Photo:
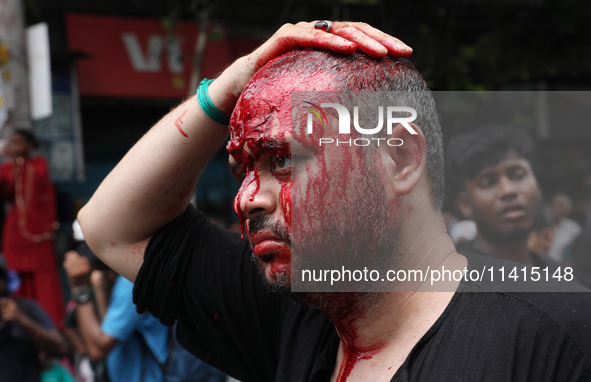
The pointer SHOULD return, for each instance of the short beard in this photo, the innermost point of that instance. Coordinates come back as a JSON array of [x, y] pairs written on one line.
[[281, 284], [355, 230], [282, 281]]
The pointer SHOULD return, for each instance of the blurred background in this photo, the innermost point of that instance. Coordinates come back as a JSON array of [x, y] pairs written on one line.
[[112, 68]]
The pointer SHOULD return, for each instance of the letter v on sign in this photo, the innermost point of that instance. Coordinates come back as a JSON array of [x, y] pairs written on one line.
[[151, 62]]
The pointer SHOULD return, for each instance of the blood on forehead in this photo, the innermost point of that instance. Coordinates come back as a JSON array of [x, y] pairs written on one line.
[[262, 116], [260, 123]]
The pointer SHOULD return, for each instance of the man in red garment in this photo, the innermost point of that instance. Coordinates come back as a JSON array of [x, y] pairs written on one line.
[[27, 241]]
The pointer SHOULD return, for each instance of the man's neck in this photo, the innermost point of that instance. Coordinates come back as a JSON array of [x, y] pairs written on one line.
[[515, 250], [385, 334], [384, 327]]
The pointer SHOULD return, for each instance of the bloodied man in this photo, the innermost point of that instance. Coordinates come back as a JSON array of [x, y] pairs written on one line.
[[298, 200]]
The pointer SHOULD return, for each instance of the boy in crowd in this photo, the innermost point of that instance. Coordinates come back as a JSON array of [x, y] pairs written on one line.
[[496, 170]]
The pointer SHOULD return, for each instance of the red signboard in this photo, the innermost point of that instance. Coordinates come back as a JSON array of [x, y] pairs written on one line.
[[128, 57]]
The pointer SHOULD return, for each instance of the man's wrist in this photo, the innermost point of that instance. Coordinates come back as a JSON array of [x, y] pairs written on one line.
[[227, 87], [81, 294], [82, 279], [208, 106]]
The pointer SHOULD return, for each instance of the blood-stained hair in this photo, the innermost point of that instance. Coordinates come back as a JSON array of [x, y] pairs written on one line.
[[359, 72]]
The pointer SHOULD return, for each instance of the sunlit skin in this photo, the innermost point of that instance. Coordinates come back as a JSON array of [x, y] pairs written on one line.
[[503, 200]]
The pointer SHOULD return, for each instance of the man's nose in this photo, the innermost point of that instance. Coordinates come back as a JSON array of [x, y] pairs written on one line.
[[508, 188], [255, 197]]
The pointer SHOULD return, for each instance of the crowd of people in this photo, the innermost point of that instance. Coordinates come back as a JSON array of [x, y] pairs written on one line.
[[97, 336], [162, 257]]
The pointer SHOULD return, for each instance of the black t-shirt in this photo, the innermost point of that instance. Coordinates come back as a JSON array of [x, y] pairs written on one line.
[[19, 360], [536, 259], [202, 275]]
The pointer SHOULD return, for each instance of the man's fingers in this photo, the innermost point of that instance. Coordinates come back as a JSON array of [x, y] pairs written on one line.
[[303, 35], [322, 40], [395, 47], [345, 38], [364, 43]]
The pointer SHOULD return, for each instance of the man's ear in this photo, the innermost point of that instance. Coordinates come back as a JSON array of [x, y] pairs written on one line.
[[407, 161], [464, 205]]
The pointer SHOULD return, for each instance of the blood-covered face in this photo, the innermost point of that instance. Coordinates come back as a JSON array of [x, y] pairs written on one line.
[[323, 204], [260, 157]]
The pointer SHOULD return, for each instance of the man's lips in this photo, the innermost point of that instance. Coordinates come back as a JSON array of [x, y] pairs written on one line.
[[513, 212], [269, 247]]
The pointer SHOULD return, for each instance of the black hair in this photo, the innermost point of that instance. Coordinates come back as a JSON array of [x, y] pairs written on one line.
[[467, 154], [359, 72]]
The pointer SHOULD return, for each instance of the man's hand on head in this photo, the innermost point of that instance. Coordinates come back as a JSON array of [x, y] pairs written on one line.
[[77, 268], [345, 37], [160, 172]]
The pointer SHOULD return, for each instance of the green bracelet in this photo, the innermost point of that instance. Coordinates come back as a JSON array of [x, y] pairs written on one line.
[[208, 106]]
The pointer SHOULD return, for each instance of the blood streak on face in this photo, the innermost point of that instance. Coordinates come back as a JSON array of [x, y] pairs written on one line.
[[336, 205], [260, 151]]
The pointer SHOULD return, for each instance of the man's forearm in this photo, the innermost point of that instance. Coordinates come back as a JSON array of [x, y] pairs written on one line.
[[48, 340], [102, 287], [98, 343], [150, 186], [73, 336]]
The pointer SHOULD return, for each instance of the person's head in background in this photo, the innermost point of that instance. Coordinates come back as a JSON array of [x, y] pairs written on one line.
[[542, 234], [496, 171], [21, 143]]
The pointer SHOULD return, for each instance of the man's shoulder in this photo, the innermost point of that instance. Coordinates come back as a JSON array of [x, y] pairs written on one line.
[[514, 336], [122, 292], [541, 310], [27, 302]]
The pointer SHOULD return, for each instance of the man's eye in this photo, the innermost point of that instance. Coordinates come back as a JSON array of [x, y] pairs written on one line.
[[281, 162], [518, 174], [486, 182]]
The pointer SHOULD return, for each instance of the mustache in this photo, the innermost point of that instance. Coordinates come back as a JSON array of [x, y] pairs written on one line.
[[261, 223]]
